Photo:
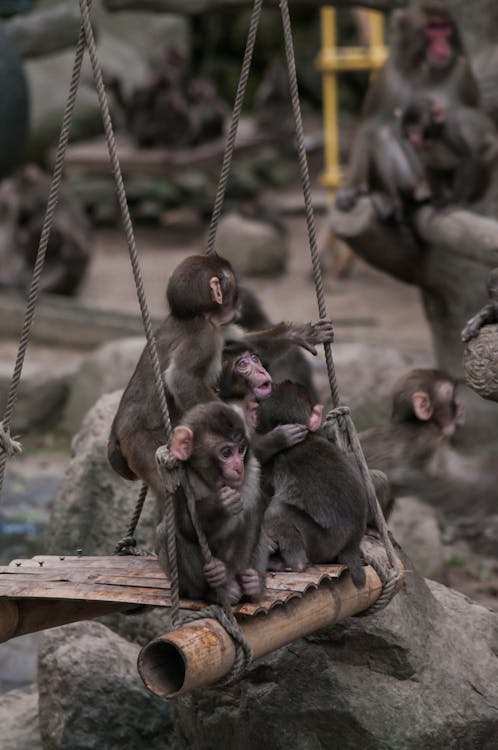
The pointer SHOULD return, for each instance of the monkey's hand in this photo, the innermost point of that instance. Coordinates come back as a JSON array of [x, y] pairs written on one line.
[[315, 333], [215, 573], [231, 501], [251, 582], [290, 434], [472, 328], [271, 544]]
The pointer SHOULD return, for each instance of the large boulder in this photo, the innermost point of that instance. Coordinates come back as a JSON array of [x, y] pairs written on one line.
[[106, 369], [19, 720], [415, 526], [91, 696], [253, 247], [422, 673]]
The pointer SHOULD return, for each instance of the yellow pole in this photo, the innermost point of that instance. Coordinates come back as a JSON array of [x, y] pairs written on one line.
[[332, 176]]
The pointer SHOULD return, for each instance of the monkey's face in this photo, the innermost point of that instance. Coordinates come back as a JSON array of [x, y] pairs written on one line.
[[249, 367], [230, 457], [439, 32]]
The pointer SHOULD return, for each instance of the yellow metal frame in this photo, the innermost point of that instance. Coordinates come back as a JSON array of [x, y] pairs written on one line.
[[333, 60]]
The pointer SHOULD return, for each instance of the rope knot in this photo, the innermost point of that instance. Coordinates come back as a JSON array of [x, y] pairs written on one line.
[[170, 467], [339, 411], [7, 444]]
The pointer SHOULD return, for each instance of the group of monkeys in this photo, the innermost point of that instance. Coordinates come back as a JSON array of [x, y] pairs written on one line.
[[271, 492], [423, 135]]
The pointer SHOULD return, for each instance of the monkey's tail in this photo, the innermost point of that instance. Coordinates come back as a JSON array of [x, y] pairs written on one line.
[[352, 559]]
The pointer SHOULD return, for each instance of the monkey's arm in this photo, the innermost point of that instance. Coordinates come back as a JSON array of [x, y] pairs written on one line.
[[281, 437], [474, 325], [273, 342]]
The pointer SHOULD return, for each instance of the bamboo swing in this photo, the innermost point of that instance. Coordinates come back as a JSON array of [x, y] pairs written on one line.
[[207, 644]]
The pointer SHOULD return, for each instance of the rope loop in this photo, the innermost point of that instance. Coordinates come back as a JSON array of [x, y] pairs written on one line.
[[389, 578], [243, 651], [126, 546], [8, 445]]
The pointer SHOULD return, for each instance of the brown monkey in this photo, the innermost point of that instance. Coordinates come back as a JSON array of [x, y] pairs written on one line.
[[244, 382], [457, 147], [202, 295], [289, 365], [425, 411], [317, 512], [224, 479], [426, 58], [23, 203], [488, 314]]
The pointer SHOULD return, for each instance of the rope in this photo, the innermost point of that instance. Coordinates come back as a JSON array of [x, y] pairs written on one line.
[[7, 446], [234, 124], [127, 545], [137, 274], [306, 185], [340, 412]]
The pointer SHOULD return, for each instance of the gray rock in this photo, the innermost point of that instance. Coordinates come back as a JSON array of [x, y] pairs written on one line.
[[93, 509], [254, 248], [19, 720], [45, 31], [415, 526], [422, 673], [105, 370], [91, 695], [42, 392]]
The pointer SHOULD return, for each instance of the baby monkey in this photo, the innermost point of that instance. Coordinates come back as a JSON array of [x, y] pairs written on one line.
[[224, 479], [318, 507]]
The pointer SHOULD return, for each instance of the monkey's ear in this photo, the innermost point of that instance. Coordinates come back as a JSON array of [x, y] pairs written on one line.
[[215, 287], [422, 405], [182, 442], [315, 419]]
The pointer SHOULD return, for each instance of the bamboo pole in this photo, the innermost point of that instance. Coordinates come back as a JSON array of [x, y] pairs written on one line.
[[22, 616], [202, 652]]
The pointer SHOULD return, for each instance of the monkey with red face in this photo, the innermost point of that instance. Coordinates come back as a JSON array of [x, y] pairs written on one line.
[[223, 476], [427, 58]]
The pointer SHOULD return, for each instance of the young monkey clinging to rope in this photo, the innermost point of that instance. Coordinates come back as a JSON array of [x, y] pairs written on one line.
[[224, 479]]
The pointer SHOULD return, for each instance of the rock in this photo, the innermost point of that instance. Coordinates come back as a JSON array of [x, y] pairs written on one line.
[[106, 369], [45, 31], [415, 526], [94, 504], [91, 695], [406, 678], [18, 662], [480, 363], [254, 248], [94, 507], [42, 392], [19, 720]]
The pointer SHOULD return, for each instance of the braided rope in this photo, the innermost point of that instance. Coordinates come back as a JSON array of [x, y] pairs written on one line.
[[389, 579], [234, 124], [342, 413], [137, 274], [127, 545], [6, 446]]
